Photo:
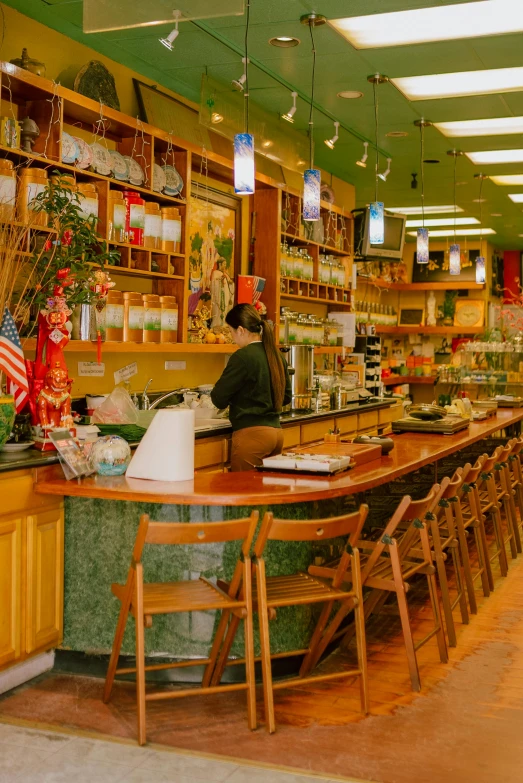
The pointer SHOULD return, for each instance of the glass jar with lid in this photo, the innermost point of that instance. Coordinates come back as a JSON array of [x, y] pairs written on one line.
[[334, 333], [298, 264], [7, 190], [169, 319], [292, 327], [114, 316], [133, 317], [308, 266], [152, 233], [283, 260], [152, 318], [325, 270], [290, 262], [88, 197], [171, 229], [307, 330], [32, 182], [116, 216], [302, 329], [317, 331]]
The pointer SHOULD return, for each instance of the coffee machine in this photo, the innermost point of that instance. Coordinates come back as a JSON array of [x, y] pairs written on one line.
[[300, 359]]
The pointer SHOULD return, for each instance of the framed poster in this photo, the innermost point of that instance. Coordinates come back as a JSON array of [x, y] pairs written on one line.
[[215, 251], [437, 270], [411, 316]]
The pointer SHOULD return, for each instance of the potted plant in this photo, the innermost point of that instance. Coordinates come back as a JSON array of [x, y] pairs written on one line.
[[449, 307]]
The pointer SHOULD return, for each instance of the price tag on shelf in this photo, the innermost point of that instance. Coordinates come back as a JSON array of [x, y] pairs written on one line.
[[126, 372], [91, 369]]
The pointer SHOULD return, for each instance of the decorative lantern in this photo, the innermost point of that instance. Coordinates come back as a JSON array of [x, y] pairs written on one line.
[[311, 194], [377, 223], [422, 247], [480, 269], [244, 164], [455, 260]]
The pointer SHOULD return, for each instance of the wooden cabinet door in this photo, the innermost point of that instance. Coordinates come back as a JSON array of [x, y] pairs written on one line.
[[45, 577], [10, 589]]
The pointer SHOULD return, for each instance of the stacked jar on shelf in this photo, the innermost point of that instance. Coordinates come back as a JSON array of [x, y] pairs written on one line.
[[375, 313], [296, 263], [142, 223], [302, 329]]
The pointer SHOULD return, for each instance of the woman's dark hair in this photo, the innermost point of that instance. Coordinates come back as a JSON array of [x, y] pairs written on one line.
[[247, 316]]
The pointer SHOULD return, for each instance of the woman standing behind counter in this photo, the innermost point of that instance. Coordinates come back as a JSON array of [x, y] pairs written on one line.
[[255, 385]]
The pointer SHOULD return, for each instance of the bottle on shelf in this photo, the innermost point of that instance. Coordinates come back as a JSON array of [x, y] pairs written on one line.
[[117, 212]]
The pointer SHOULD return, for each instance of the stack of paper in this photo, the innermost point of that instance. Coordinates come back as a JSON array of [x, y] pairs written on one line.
[[320, 463]]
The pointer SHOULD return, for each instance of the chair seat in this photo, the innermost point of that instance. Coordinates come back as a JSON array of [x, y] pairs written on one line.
[[299, 588], [168, 597]]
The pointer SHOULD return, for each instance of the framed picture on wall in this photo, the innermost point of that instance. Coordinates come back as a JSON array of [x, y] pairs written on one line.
[[214, 251], [437, 270]]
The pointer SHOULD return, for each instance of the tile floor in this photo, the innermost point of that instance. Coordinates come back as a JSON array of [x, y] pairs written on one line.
[[34, 756]]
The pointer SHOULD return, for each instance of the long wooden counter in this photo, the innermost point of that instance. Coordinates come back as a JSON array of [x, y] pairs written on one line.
[[412, 451]]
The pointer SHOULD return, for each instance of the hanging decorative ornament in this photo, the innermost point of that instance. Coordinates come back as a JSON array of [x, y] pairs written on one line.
[[244, 142], [312, 176], [455, 250], [244, 164], [377, 208], [480, 260], [422, 244]]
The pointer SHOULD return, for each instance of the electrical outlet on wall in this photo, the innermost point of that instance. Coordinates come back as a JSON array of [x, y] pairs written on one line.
[[175, 365]]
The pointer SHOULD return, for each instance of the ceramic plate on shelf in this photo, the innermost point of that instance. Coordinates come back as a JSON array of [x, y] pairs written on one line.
[[159, 180], [85, 153], [119, 166], [70, 151], [102, 161], [136, 175], [12, 447], [174, 183]]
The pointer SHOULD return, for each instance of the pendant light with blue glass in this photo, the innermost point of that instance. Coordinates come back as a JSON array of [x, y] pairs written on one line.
[[244, 142], [312, 176], [455, 249], [422, 240], [376, 208], [480, 260]]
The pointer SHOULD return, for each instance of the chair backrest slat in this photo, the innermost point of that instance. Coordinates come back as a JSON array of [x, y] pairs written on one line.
[[202, 532]]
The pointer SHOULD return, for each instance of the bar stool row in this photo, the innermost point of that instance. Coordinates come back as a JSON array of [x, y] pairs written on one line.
[[466, 522]]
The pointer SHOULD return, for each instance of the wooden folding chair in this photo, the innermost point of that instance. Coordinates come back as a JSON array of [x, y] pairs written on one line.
[[516, 476], [402, 551], [273, 592], [144, 600], [468, 516], [493, 497]]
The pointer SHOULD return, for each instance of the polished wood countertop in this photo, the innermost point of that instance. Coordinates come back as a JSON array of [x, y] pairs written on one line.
[[411, 451]]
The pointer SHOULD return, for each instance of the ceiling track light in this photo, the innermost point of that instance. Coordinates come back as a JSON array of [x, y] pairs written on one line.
[[376, 208], [362, 162], [239, 84], [289, 116], [331, 142], [384, 174], [455, 250], [422, 239], [173, 35]]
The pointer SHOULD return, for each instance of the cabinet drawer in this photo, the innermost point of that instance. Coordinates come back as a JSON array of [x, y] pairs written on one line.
[[291, 437], [387, 415], [316, 430], [211, 452], [16, 491], [367, 419], [347, 424]]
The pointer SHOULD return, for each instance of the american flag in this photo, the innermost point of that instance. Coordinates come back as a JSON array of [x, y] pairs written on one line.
[[12, 360]]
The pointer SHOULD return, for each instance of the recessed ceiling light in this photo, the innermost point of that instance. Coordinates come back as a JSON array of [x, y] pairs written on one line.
[[448, 221], [520, 235], [496, 156], [450, 22], [479, 200], [463, 83], [507, 179], [350, 94], [267, 143], [417, 210], [500, 126], [396, 134], [284, 41], [517, 198], [508, 225], [461, 183], [461, 232], [216, 118], [496, 214]]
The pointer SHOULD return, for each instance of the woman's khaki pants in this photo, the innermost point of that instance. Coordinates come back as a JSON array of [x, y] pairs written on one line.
[[252, 444]]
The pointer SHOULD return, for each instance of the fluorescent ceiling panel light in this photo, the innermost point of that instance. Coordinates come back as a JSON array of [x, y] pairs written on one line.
[[486, 157], [462, 232], [507, 179], [517, 198], [440, 210], [448, 221], [445, 23], [461, 84], [500, 126]]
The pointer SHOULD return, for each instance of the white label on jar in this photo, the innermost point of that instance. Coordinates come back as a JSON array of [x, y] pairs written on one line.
[[171, 230], [119, 217], [152, 319], [169, 320], [153, 225], [89, 206], [33, 190], [135, 317], [114, 316], [7, 190], [136, 215]]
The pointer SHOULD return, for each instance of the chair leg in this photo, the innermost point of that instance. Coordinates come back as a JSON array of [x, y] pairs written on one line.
[[476, 510], [510, 526], [498, 529], [225, 650], [265, 643], [361, 644], [140, 656], [505, 477], [215, 649], [404, 616], [444, 585], [482, 559], [433, 590], [250, 677], [316, 641], [118, 636], [465, 559]]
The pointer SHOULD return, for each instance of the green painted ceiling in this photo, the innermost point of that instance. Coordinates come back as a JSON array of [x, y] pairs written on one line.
[[216, 45]]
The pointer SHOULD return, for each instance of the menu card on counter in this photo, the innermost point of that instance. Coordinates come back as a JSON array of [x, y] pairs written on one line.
[[72, 459]]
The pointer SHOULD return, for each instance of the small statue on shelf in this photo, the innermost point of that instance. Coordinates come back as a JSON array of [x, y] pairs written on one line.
[[54, 400], [431, 309]]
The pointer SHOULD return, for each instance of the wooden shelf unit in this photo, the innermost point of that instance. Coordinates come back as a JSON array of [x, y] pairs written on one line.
[[381, 329], [453, 286], [397, 380]]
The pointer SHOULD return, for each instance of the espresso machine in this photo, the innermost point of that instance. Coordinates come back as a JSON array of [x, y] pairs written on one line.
[[300, 359]]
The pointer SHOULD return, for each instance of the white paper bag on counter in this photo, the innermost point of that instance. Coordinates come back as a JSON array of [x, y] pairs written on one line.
[[166, 451], [348, 323]]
